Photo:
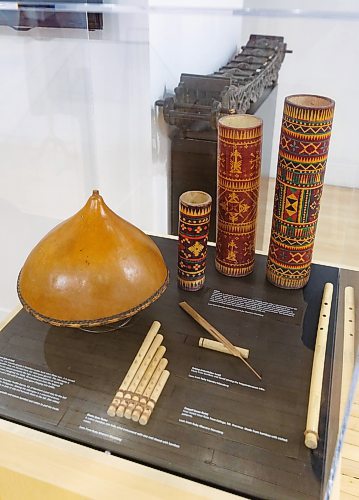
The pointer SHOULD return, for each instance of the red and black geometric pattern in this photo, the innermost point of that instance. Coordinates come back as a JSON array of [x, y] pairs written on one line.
[[193, 231], [238, 172], [303, 151]]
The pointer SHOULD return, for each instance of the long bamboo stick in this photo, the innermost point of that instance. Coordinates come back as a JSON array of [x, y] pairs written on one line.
[[216, 334]]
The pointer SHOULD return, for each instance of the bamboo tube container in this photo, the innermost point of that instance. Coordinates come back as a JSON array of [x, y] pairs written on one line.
[[154, 397], [156, 325], [311, 430], [219, 347]]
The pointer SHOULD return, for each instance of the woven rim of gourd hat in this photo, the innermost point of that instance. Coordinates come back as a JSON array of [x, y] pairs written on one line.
[[93, 322]]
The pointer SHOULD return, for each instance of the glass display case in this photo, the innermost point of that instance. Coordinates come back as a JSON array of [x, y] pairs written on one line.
[[88, 98]]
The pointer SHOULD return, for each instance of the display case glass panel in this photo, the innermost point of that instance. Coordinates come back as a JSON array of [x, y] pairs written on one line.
[[86, 96]]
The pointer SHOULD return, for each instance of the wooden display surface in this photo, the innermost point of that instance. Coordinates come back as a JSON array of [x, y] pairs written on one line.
[[215, 421]]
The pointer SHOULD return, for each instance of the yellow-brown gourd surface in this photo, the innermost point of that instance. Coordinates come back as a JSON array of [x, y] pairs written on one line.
[[92, 269]]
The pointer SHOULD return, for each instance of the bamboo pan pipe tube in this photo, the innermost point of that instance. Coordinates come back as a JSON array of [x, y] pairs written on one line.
[[139, 374], [152, 332], [137, 412], [154, 397], [311, 430], [216, 334], [218, 346], [144, 380]]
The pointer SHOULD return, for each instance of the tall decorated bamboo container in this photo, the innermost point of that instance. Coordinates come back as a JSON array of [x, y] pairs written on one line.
[[303, 151], [238, 172]]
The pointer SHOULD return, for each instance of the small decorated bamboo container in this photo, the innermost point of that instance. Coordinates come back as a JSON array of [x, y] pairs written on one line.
[[193, 228]]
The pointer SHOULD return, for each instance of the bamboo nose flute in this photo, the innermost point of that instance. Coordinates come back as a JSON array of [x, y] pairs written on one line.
[[311, 431]]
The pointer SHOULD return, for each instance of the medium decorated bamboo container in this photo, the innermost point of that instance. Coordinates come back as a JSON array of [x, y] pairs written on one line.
[[238, 172], [303, 151], [193, 228]]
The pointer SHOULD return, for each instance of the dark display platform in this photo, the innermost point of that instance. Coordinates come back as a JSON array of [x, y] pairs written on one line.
[[215, 422]]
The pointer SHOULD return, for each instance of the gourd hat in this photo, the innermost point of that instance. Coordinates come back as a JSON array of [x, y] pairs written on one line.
[[93, 269]]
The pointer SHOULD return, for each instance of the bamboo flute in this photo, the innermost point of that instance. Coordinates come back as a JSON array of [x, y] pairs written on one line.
[[137, 412], [216, 334], [311, 430], [139, 374], [347, 370], [154, 397], [144, 380], [219, 347], [348, 346], [156, 325]]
